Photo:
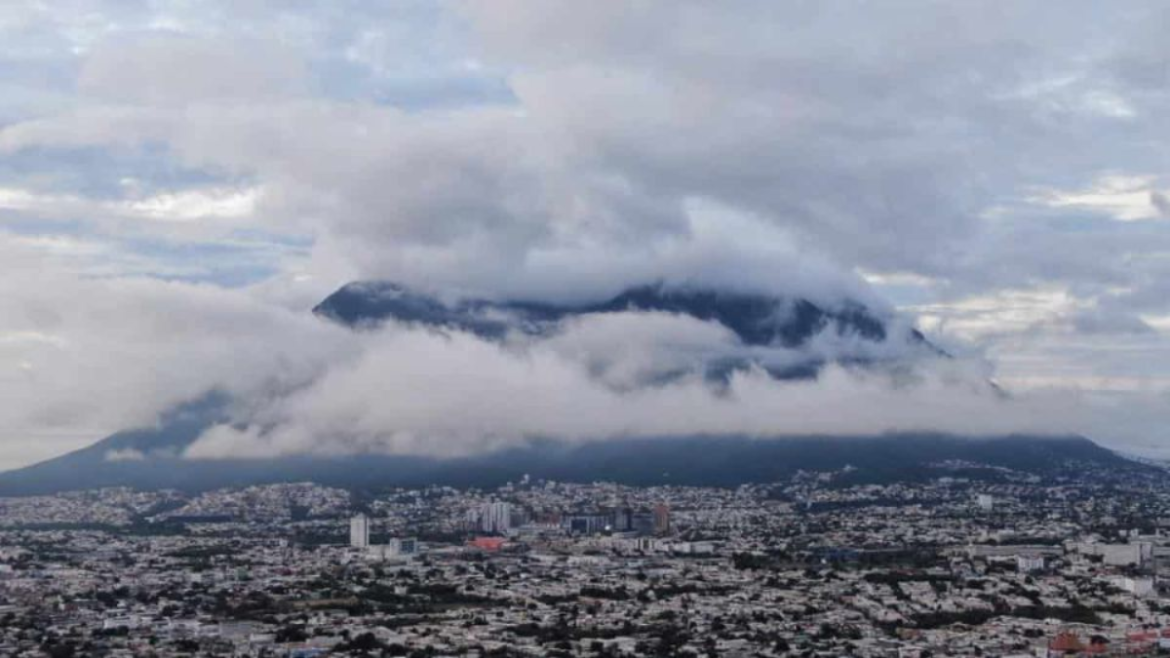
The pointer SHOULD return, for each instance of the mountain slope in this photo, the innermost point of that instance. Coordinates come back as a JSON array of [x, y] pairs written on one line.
[[696, 461]]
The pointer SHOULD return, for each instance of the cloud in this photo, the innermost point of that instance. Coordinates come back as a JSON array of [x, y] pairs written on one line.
[[125, 455], [873, 160], [887, 163], [1161, 202], [144, 70], [82, 357], [1124, 198], [414, 391], [971, 161]]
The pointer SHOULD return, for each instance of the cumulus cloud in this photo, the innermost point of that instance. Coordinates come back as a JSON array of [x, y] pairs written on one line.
[[556, 151], [886, 162]]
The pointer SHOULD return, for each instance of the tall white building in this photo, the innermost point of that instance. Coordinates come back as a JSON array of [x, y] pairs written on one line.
[[359, 531], [496, 518]]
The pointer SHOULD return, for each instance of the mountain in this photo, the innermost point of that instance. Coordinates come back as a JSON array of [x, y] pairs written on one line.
[[759, 322], [756, 319], [151, 458]]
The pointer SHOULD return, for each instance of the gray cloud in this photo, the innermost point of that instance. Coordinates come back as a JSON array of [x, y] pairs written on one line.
[[419, 392], [84, 357], [881, 161], [817, 149], [175, 70], [1160, 201]]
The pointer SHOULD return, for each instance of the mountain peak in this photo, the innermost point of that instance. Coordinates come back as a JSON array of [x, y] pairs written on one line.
[[769, 329]]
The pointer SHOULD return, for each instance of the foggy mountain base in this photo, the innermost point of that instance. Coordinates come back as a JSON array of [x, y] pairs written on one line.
[[152, 459], [659, 381], [470, 376]]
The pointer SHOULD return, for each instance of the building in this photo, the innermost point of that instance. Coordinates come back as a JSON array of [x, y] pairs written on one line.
[[1140, 587], [1066, 643], [490, 544], [496, 518], [986, 502], [406, 546], [359, 531], [587, 524], [1137, 554], [642, 523], [395, 549], [1029, 564], [623, 519], [661, 519]]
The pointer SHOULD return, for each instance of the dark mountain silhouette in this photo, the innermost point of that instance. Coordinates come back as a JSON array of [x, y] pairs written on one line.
[[757, 320]]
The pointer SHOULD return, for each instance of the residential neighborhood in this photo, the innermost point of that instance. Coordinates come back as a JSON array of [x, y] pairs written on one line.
[[995, 564]]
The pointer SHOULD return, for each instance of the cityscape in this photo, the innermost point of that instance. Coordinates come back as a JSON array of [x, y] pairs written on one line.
[[584, 328], [982, 562]]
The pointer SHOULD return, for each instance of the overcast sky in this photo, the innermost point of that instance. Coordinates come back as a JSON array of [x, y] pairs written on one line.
[[180, 181]]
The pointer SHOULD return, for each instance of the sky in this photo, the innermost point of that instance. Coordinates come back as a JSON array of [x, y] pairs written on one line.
[[180, 182]]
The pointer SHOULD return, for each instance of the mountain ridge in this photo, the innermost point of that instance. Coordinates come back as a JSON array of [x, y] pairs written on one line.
[[774, 333], [750, 316], [153, 457]]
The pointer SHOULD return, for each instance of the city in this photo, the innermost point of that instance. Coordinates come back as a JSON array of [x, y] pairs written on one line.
[[584, 328], [1003, 564]]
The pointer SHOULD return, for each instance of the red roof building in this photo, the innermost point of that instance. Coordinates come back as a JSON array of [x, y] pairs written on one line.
[[1066, 644], [492, 544]]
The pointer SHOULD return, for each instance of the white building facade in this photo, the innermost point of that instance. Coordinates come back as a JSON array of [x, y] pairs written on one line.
[[359, 531]]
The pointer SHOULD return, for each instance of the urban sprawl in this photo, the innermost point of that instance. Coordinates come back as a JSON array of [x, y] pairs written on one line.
[[983, 562]]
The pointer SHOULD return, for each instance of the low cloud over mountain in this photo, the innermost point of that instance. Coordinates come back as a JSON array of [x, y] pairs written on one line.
[[435, 377]]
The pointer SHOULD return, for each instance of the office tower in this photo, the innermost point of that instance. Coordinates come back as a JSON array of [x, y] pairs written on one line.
[[496, 517], [661, 519], [642, 523], [623, 519], [359, 531]]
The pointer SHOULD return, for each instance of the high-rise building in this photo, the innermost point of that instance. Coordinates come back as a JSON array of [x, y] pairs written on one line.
[[642, 522], [661, 519], [623, 519], [408, 546], [359, 531], [496, 517]]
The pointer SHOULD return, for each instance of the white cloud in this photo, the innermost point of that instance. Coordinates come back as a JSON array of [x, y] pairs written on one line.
[[420, 392], [85, 356], [1124, 198], [125, 455], [964, 155], [190, 205], [209, 203]]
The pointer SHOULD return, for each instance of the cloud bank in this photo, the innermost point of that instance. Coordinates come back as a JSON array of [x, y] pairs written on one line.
[[98, 355], [994, 173], [414, 391]]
